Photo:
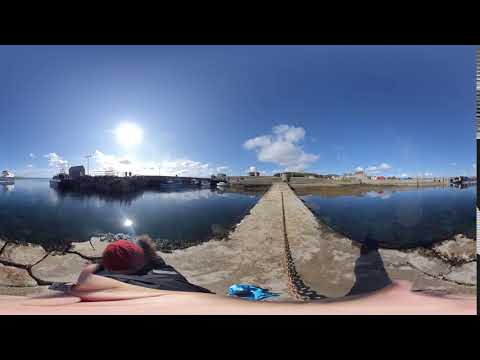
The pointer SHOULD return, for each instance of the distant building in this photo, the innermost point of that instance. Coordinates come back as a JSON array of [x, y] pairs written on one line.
[[253, 173], [355, 176], [76, 171], [359, 174], [380, 177], [110, 172], [219, 177]]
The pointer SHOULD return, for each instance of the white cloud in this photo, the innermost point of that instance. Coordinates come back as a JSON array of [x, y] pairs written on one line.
[[453, 164], [260, 141], [474, 165], [55, 160], [32, 155], [254, 169], [185, 168], [34, 171], [106, 162], [222, 169], [428, 174], [359, 168], [291, 133], [404, 175], [282, 148], [180, 167], [378, 168]]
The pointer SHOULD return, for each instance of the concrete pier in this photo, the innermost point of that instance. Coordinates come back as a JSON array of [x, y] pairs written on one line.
[[277, 247], [131, 184], [253, 253], [282, 246], [306, 182]]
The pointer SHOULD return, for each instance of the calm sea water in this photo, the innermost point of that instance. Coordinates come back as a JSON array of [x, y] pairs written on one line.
[[399, 219], [31, 211]]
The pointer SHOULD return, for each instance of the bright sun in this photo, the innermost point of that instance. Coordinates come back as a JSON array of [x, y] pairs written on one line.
[[128, 134]]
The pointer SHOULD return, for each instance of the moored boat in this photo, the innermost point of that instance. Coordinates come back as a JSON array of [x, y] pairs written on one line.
[[56, 181], [222, 184], [7, 176], [461, 180], [171, 184]]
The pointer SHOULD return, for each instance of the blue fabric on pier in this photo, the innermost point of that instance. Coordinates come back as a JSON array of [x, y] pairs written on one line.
[[249, 292]]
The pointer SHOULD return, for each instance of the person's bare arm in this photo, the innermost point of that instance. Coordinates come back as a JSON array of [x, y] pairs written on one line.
[[87, 270], [396, 299], [91, 287]]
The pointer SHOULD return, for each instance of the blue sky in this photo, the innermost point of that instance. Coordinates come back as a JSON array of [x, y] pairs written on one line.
[[330, 109]]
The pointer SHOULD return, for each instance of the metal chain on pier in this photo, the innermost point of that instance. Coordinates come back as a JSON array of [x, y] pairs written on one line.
[[296, 287]]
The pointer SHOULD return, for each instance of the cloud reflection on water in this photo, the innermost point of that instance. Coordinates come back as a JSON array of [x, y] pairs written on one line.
[[379, 194]]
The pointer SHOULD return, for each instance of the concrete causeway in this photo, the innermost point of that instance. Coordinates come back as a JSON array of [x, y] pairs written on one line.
[[282, 246], [253, 253], [257, 252]]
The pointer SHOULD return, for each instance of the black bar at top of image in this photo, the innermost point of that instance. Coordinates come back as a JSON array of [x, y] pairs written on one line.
[[274, 25], [240, 36]]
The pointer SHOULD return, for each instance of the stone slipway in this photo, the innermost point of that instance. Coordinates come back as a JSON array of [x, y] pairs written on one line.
[[253, 253], [256, 253]]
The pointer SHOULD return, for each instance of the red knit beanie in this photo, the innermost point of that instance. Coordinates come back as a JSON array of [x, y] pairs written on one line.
[[123, 255]]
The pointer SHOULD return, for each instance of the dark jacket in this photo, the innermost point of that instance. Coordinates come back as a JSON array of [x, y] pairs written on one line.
[[163, 277]]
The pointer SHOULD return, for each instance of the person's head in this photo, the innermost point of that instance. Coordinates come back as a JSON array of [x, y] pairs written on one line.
[[128, 258], [123, 256], [152, 258]]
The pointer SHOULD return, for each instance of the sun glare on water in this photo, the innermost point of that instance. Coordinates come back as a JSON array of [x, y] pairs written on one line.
[[128, 134]]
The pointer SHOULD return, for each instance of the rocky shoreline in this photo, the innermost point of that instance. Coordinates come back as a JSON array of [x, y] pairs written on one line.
[[450, 265]]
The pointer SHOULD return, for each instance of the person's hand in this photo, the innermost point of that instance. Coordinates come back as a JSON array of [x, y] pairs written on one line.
[[63, 287]]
